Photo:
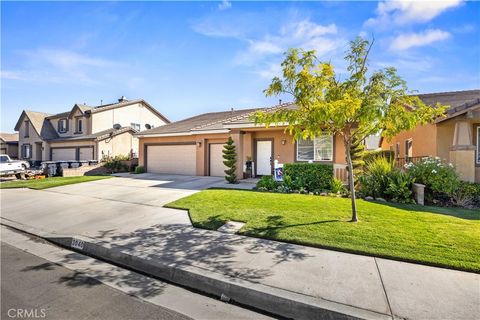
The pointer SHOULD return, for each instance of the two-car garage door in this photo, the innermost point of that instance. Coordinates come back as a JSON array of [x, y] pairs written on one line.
[[174, 159], [62, 153]]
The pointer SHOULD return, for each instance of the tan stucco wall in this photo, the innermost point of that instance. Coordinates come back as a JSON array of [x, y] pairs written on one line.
[[424, 141], [32, 139], [10, 149], [284, 153], [121, 144], [136, 113]]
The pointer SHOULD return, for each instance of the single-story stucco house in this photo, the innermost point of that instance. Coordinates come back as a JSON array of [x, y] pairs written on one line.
[[454, 137], [9, 144], [85, 132], [194, 146]]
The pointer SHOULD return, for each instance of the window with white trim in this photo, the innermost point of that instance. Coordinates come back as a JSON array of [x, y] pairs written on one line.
[[62, 125], [318, 149], [135, 126], [478, 145], [26, 151]]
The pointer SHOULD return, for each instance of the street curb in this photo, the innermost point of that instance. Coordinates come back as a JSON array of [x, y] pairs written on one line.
[[269, 299]]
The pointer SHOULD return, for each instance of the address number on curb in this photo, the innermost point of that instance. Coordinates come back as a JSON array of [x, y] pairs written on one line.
[[77, 244]]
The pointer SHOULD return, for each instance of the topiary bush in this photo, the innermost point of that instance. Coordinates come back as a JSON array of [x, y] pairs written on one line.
[[230, 160], [309, 176]]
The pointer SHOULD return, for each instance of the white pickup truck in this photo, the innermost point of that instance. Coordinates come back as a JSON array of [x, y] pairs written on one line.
[[12, 167]]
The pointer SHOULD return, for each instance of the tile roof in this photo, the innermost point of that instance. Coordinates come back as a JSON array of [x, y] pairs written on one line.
[[40, 123], [200, 121], [98, 136], [209, 121], [9, 137], [458, 102]]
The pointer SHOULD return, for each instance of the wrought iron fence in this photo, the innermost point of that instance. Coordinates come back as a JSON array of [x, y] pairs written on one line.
[[400, 162]]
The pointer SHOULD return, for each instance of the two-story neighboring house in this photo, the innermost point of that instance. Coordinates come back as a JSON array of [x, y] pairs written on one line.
[[85, 132]]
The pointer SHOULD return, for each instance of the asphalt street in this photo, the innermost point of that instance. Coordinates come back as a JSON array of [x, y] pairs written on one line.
[[32, 287]]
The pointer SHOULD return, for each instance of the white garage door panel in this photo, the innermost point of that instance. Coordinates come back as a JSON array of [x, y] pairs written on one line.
[[175, 159], [64, 154], [217, 168], [86, 154]]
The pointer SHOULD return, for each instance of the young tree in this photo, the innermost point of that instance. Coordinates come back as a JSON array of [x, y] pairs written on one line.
[[355, 107], [230, 156]]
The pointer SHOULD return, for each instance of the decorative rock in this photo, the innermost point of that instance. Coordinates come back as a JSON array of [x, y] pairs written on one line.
[[381, 200], [231, 227], [323, 194], [369, 198]]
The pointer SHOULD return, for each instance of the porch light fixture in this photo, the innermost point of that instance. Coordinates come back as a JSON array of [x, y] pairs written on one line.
[[283, 142], [199, 144]]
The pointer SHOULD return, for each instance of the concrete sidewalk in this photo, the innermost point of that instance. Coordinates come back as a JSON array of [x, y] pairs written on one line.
[[164, 244]]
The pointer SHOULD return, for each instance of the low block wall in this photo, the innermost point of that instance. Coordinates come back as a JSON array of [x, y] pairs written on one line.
[[98, 169]]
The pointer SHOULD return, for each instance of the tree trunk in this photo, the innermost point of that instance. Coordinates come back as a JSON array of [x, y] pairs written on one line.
[[351, 182]]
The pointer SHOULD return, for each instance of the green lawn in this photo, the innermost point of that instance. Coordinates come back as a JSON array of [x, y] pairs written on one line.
[[429, 235], [49, 182]]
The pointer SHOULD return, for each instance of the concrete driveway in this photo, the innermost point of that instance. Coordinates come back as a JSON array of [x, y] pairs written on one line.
[[103, 207]]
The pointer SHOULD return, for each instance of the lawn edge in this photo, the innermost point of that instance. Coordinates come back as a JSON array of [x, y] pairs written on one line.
[[337, 249]]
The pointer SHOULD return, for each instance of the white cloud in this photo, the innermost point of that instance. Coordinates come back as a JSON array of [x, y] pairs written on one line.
[[300, 34], [409, 11], [59, 66], [410, 40], [224, 5]]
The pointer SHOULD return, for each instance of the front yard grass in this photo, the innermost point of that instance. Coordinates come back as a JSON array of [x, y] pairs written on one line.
[[435, 236], [49, 182]]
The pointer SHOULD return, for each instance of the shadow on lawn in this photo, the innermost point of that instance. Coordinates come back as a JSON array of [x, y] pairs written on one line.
[[276, 223]]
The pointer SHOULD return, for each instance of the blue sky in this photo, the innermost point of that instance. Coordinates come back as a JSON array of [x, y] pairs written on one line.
[[187, 58]]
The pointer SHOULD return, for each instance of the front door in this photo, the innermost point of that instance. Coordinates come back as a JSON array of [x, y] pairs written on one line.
[[263, 161]]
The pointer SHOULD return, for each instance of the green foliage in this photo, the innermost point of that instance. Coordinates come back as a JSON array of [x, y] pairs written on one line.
[[374, 180], [267, 183], [399, 187], [467, 195], [369, 156], [309, 176], [337, 186], [115, 164], [139, 169], [357, 151], [440, 178], [230, 159], [353, 106]]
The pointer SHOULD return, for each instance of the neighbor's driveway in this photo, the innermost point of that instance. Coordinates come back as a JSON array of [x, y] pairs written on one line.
[[103, 207]]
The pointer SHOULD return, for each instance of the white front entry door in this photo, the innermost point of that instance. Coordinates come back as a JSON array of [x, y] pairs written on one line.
[[264, 158]]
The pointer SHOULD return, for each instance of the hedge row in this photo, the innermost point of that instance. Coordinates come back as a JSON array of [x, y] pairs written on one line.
[[315, 176]]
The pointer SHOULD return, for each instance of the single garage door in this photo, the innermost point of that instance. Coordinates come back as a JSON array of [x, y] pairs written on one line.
[[216, 165], [59, 154], [175, 159], [85, 153]]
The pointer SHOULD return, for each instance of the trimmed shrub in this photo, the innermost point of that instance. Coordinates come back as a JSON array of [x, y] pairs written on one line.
[[139, 169], [309, 176], [369, 156], [267, 183], [230, 159]]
